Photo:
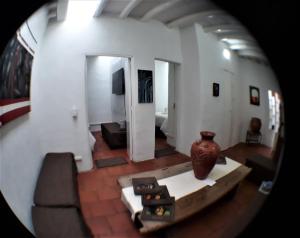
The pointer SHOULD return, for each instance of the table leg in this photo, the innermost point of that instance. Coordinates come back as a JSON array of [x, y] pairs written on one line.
[[230, 195]]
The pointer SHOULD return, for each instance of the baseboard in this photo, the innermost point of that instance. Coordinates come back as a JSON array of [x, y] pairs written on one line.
[[96, 126]]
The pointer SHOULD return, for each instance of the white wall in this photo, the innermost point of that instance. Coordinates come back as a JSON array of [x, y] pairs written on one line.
[[58, 84], [187, 92], [118, 101], [20, 148], [217, 112], [229, 114], [36, 24], [63, 61], [197, 110], [172, 81], [126, 64], [102, 105], [261, 76], [161, 86], [99, 84]]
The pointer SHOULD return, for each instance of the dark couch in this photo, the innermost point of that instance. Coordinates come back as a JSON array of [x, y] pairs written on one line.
[[57, 210]]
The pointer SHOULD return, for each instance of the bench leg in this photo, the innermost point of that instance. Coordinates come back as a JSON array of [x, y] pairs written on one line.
[[231, 193]]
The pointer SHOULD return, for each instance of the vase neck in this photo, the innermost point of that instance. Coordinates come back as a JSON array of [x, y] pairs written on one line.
[[207, 135]]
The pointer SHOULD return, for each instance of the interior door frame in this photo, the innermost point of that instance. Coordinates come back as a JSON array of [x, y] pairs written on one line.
[[130, 59], [175, 78]]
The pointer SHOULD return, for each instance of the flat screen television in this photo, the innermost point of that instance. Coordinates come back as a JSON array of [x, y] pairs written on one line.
[[118, 82]]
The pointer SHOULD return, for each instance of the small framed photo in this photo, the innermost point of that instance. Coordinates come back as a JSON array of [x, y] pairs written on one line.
[[254, 95], [216, 89]]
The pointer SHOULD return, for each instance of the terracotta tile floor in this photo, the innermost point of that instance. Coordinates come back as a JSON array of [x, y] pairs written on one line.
[[107, 217], [161, 143]]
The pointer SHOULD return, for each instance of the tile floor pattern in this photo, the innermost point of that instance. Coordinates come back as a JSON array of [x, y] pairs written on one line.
[[161, 143], [107, 217]]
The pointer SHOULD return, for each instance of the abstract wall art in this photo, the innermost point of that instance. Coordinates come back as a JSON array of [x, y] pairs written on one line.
[[15, 74], [145, 86], [216, 88]]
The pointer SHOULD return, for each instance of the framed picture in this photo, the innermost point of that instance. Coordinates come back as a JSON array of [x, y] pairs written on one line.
[[254, 95], [145, 86], [216, 88], [15, 75]]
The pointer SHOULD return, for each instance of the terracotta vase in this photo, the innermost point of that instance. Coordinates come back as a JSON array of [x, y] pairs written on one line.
[[204, 154], [255, 124]]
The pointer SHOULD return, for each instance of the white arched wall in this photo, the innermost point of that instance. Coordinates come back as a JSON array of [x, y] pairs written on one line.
[[21, 152], [61, 70], [202, 65], [58, 85], [261, 76]]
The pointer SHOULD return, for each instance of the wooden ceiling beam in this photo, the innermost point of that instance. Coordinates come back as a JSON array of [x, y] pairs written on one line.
[[195, 17], [159, 9], [130, 6], [61, 10], [100, 8]]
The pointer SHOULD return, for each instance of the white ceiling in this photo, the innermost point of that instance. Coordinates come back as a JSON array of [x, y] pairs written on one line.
[[178, 14]]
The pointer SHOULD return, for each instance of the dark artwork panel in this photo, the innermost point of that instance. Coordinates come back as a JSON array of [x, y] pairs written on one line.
[[254, 96], [15, 71], [216, 88], [145, 86], [15, 74]]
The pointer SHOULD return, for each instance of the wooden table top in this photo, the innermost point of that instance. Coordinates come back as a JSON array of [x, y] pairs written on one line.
[[192, 203]]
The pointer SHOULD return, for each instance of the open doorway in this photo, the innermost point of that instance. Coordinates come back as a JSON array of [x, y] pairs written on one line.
[[108, 99], [165, 116]]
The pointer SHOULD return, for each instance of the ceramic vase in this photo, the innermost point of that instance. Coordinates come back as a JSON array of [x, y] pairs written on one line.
[[255, 124], [204, 154]]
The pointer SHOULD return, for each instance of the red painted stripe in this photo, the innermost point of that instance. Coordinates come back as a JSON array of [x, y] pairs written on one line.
[[4, 102], [6, 117]]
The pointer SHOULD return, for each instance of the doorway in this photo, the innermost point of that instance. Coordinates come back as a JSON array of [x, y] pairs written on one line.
[[165, 115], [108, 103]]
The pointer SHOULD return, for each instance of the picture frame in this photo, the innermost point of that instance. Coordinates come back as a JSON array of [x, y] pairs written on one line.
[[216, 89], [15, 76], [254, 95], [145, 86]]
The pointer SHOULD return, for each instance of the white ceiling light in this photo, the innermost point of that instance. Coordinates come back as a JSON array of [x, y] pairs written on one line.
[[226, 54], [219, 30], [233, 41], [79, 10]]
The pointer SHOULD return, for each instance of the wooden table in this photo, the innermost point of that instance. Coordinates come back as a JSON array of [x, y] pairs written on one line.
[[190, 204]]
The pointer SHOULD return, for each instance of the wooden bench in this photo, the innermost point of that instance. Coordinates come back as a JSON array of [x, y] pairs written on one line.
[[263, 168], [190, 204], [57, 211]]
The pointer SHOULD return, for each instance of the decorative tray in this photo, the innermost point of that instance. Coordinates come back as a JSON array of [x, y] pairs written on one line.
[[146, 185], [160, 197], [221, 160], [159, 212]]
